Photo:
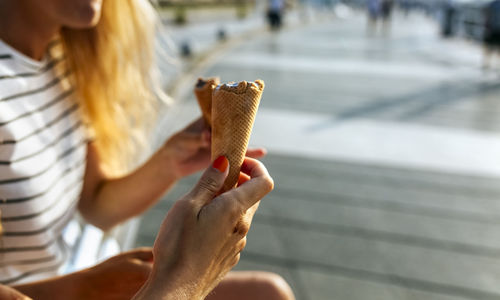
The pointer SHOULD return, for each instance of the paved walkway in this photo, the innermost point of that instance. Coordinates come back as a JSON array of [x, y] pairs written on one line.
[[386, 156]]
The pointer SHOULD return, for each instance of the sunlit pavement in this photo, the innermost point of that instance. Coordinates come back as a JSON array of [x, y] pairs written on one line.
[[385, 152]]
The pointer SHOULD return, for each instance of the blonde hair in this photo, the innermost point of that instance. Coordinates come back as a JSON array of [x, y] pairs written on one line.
[[112, 65]]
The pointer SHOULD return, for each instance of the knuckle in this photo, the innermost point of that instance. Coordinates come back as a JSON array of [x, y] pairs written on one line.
[[242, 229], [210, 184], [242, 244], [268, 183]]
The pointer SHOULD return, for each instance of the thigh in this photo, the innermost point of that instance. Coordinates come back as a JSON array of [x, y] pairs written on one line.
[[252, 285]]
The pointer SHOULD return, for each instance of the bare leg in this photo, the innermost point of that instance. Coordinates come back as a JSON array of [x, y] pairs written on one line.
[[252, 285]]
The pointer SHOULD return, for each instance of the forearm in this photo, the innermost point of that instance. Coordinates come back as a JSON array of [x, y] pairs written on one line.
[[61, 287], [116, 200]]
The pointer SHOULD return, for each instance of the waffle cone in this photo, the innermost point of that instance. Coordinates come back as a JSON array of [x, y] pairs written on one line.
[[234, 109], [203, 91]]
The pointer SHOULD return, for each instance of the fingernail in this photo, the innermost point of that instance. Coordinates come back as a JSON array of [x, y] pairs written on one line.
[[221, 164]]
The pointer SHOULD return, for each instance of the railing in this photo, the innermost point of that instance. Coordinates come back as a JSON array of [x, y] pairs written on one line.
[[471, 21], [202, 3], [181, 7]]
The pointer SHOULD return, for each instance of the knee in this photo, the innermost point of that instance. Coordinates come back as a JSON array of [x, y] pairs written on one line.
[[273, 286]]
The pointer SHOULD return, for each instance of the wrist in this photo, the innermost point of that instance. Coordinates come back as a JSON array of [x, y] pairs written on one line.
[[157, 287]]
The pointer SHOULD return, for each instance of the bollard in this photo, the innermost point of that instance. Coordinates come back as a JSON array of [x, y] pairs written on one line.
[[186, 49], [221, 35]]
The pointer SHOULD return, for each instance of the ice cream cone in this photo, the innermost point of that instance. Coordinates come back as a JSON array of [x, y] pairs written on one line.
[[234, 109], [203, 91]]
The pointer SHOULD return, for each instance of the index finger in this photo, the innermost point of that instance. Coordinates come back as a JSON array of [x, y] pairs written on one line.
[[253, 168], [259, 185]]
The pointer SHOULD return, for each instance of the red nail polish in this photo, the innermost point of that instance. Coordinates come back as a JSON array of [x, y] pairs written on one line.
[[221, 164]]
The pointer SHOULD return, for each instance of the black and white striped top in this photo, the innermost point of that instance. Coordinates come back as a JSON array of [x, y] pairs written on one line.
[[42, 163]]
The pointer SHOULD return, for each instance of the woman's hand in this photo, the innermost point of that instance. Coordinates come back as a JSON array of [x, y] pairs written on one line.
[[202, 236], [8, 293], [188, 151], [119, 277]]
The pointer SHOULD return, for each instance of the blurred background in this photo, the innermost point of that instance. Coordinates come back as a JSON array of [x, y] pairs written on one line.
[[382, 121]]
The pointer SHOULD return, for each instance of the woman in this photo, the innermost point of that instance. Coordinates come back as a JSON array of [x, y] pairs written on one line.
[[70, 120]]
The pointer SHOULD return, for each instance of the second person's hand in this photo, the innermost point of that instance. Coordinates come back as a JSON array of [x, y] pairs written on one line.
[[188, 151]]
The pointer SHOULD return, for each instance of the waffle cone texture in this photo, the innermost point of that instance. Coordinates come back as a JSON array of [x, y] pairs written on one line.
[[234, 108], [203, 91]]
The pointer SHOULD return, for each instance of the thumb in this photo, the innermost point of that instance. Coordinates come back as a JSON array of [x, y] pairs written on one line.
[[211, 181]]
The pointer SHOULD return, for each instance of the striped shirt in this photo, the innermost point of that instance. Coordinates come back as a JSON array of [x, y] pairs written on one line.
[[42, 163]]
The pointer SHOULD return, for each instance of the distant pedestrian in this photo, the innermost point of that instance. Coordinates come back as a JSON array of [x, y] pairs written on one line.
[[374, 7], [448, 25], [386, 8], [275, 12], [386, 13], [491, 33]]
